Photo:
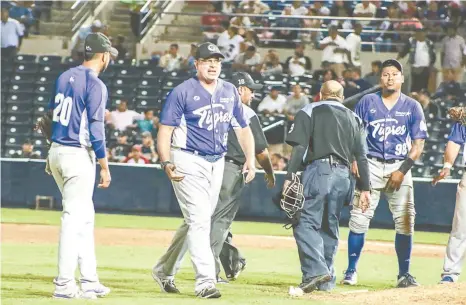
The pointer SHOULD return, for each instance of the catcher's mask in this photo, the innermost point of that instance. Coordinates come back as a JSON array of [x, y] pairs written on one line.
[[292, 199]]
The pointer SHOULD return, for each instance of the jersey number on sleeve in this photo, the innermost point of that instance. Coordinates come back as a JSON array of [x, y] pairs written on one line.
[[62, 111], [401, 149]]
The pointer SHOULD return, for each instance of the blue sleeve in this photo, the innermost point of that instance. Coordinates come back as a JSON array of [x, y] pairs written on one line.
[[238, 111], [95, 107], [360, 110], [418, 127], [458, 134], [173, 109]]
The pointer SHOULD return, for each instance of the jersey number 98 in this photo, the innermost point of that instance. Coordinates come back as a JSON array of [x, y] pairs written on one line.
[[62, 111], [401, 149]]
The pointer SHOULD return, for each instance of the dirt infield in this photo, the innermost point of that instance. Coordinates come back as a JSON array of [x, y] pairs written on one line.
[[450, 294]]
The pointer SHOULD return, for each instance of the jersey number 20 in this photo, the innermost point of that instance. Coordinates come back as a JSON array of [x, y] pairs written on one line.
[[62, 111]]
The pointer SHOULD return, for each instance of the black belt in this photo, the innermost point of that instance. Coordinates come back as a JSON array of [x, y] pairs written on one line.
[[391, 161], [333, 160], [231, 160]]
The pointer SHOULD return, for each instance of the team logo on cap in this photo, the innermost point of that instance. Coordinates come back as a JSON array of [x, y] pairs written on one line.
[[212, 48], [88, 48]]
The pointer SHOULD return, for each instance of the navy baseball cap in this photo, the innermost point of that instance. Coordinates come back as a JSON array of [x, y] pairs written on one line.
[[99, 43], [244, 79], [208, 50], [393, 63]]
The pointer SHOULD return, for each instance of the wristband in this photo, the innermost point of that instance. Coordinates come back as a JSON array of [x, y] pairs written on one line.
[[165, 163], [406, 166], [447, 165]]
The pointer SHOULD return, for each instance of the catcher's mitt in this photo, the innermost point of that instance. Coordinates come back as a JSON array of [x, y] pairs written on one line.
[[44, 125], [291, 200], [458, 114]]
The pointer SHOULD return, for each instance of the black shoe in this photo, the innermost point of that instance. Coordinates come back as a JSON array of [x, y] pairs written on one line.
[[315, 282], [406, 280], [209, 293], [166, 285], [239, 268]]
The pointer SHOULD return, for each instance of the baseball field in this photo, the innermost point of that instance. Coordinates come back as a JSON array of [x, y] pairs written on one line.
[[128, 246]]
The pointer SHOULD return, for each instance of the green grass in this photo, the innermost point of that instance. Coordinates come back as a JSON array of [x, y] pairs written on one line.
[[171, 223], [28, 269]]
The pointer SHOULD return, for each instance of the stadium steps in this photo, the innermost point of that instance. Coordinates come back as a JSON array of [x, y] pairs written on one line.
[[60, 23], [120, 24], [191, 34]]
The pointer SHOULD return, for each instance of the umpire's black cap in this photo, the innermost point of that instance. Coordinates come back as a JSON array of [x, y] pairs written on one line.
[[393, 63], [207, 50], [244, 79], [99, 43]]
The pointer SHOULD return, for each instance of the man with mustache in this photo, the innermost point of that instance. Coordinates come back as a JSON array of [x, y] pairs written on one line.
[[192, 143], [391, 119]]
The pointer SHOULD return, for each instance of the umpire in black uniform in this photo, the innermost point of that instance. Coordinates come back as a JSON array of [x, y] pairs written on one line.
[[233, 182], [327, 137]]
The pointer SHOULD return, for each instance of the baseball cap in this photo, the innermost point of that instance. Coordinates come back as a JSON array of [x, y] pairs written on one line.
[[244, 79], [207, 49], [99, 43], [97, 23], [393, 63], [146, 134]]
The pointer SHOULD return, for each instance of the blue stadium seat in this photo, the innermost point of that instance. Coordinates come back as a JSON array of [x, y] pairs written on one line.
[[41, 99], [18, 119], [151, 73], [123, 62], [19, 109], [27, 68], [50, 59], [122, 91], [25, 59], [20, 98], [41, 89], [433, 158], [50, 69], [46, 80], [39, 109], [132, 82], [127, 72], [150, 92], [14, 130], [19, 79]]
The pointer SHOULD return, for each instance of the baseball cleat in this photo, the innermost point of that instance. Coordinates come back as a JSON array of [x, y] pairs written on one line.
[[315, 282], [351, 277], [446, 280], [240, 267], [222, 281], [76, 294], [166, 285], [406, 280], [99, 291], [209, 292]]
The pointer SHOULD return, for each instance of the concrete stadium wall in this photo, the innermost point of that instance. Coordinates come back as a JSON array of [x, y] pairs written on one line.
[[146, 189]]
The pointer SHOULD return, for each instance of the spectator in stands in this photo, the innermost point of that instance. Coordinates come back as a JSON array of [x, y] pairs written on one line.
[[21, 12], [135, 157], [229, 43], [27, 151], [365, 9], [122, 118], [172, 60], [334, 51], [278, 162], [188, 63], [355, 84], [247, 61], [298, 9], [228, 7], [243, 23], [373, 77], [430, 109], [109, 155], [353, 41], [122, 51], [273, 103], [254, 7], [323, 76], [298, 64], [295, 102], [211, 20], [312, 36], [384, 40], [449, 88], [341, 9], [12, 34], [148, 147], [121, 149], [43, 7], [321, 9], [250, 39], [421, 59], [288, 22], [78, 49], [409, 9], [453, 53], [271, 64], [149, 122]]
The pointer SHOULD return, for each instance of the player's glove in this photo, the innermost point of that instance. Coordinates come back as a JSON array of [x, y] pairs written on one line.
[[44, 125], [458, 114], [291, 200]]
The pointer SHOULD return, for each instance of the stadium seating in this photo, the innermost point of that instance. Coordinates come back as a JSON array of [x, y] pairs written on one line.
[[27, 85]]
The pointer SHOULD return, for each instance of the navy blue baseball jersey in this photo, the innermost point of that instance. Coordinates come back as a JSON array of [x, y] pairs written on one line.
[[458, 134], [390, 132], [202, 120], [78, 106]]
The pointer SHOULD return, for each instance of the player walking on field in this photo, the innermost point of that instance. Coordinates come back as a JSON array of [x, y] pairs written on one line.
[[456, 248], [192, 142], [78, 137], [396, 132]]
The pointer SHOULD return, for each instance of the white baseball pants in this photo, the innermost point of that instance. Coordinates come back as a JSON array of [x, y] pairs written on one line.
[[197, 196], [456, 248], [73, 169]]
